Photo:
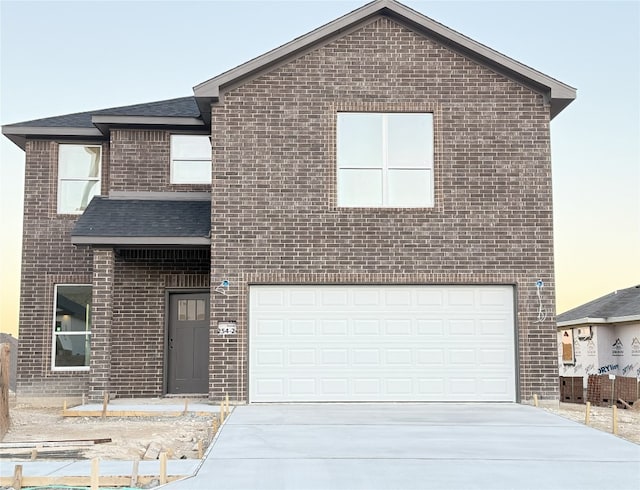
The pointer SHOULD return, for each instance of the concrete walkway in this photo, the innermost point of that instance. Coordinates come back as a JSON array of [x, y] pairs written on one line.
[[411, 446]]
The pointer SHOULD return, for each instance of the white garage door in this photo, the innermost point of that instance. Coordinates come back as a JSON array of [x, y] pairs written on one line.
[[381, 343]]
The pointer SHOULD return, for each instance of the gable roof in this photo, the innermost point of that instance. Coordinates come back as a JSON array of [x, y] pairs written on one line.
[[618, 306], [559, 94], [182, 111], [194, 113], [151, 220]]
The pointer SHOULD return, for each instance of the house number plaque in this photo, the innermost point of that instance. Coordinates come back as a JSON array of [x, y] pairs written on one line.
[[227, 328]]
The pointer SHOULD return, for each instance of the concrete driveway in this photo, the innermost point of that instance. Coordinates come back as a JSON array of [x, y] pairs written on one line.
[[412, 446]]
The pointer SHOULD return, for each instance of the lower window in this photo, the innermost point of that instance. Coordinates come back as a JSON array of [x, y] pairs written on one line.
[[71, 327]]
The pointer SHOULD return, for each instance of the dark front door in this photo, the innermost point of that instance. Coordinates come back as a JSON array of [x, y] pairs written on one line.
[[188, 366]]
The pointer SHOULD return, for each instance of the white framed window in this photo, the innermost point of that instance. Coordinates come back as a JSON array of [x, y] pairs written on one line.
[[79, 168], [71, 327], [384, 159], [190, 159]]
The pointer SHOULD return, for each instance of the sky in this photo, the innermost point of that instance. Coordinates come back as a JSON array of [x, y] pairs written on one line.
[[65, 57]]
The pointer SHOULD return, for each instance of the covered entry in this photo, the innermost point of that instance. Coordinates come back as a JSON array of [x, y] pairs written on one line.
[[381, 343]]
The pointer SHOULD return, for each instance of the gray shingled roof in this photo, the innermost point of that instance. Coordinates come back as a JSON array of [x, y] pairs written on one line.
[[182, 107], [144, 221], [621, 303]]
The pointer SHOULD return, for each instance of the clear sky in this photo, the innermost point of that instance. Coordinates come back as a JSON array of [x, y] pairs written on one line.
[[64, 57]]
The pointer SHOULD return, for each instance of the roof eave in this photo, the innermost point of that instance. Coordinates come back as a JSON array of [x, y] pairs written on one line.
[[19, 134], [599, 321], [559, 94], [102, 123], [106, 120], [153, 241]]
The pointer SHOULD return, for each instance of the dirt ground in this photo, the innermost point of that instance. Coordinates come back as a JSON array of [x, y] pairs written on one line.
[[179, 435], [130, 436], [601, 419]]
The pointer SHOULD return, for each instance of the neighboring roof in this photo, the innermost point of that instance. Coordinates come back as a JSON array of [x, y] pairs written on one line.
[[168, 221], [620, 306], [559, 94], [175, 112]]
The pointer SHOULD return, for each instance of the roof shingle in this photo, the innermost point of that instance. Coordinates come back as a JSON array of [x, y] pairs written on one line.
[[135, 218], [621, 303], [181, 107]]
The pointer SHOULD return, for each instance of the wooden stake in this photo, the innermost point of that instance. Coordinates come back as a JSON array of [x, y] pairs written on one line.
[[95, 473], [34, 454], [186, 405], [17, 477], [163, 468], [134, 473], [199, 448], [587, 414], [626, 405], [614, 408], [105, 402], [535, 400], [221, 413], [64, 406], [226, 399]]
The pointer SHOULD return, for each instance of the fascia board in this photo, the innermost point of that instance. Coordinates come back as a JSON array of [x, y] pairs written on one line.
[[49, 131], [19, 134], [596, 321], [160, 196], [211, 87], [476, 49], [147, 120], [147, 240], [558, 90]]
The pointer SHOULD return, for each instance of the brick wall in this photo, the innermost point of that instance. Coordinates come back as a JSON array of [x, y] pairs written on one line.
[[48, 258], [140, 162], [274, 218], [139, 312]]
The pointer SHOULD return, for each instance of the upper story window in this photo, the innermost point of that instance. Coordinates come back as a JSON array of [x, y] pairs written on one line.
[[71, 327], [190, 159], [384, 160], [78, 176]]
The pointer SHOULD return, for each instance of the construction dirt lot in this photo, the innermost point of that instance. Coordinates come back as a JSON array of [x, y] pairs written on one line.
[[179, 436]]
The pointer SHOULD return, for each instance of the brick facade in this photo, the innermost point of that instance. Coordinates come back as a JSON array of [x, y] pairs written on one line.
[[128, 337], [48, 258], [140, 162], [274, 216]]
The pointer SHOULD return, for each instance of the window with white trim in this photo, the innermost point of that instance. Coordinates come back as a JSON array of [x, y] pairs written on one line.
[[79, 169], [71, 327], [190, 159], [384, 159]]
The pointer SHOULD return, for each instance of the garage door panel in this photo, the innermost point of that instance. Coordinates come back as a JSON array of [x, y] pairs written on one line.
[[393, 343], [461, 327], [430, 328], [302, 387], [367, 327], [270, 327], [335, 357], [366, 297], [430, 297], [302, 327]]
